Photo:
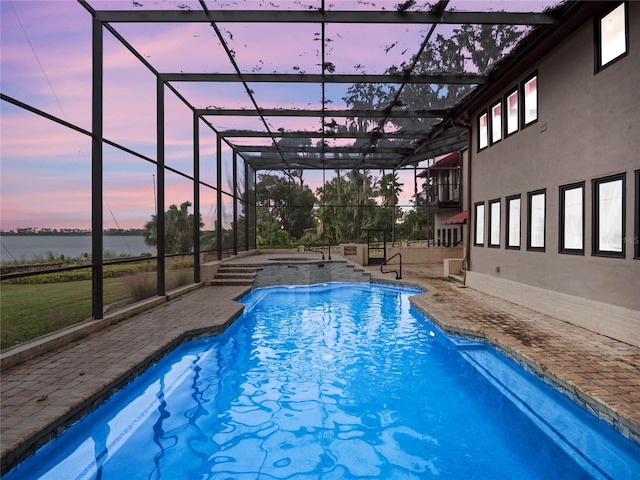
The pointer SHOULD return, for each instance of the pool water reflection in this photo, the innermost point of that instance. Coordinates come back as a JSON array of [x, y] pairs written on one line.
[[335, 381]]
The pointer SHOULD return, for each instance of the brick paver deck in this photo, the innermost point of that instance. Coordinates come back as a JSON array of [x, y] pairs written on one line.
[[42, 396]]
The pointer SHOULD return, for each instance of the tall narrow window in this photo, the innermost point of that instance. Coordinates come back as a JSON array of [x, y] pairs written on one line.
[[513, 222], [494, 223], [611, 36], [479, 224], [483, 131], [536, 220], [496, 122], [636, 237], [572, 219], [511, 103], [530, 100], [608, 216]]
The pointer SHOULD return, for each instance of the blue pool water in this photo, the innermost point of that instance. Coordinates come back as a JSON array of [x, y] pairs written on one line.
[[335, 381]]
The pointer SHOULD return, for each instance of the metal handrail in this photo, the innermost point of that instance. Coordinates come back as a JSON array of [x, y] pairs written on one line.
[[308, 247], [398, 273]]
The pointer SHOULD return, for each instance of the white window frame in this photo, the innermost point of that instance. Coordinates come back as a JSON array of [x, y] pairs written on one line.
[[479, 224], [612, 36], [571, 227], [513, 229], [536, 220], [494, 223], [512, 121], [529, 96], [483, 131], [609, 194], [496, 122]]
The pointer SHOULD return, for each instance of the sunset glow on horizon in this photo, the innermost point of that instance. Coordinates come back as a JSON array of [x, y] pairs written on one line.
[[46, 62]]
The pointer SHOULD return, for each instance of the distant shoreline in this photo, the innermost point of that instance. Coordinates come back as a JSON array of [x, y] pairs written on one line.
[[74, 233]]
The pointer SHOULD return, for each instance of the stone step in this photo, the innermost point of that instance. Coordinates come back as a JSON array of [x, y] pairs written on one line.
[[238, 270], [228, 275], [231, 281], [236, 274]]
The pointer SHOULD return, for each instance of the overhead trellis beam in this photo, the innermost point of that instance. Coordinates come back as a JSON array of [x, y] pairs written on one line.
[[286, 112], [321, 149], [419, 78], [327, 16], [400, 135]]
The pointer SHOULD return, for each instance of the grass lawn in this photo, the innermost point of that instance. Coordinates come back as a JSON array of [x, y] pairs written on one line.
[[29, 311]]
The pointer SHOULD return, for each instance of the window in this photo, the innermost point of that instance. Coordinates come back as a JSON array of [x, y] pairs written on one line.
[[483, 131], [494, 223], [608, 216], [572, 219], [536, 220], [611, 35], [636, 237], [479, 238], [530, 100], [496, 122], [511, 103], [513, 222]]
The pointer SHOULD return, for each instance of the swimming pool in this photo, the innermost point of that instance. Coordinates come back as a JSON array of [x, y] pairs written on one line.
[[334, 381]]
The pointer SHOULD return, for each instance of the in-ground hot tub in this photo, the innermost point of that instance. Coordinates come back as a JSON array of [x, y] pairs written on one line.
[[295, 259]]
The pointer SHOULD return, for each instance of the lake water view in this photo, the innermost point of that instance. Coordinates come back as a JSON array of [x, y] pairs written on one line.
[[17, 248]]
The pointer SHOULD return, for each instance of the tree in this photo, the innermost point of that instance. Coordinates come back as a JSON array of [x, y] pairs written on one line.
[[469, 48], [389, 188], [178, 224], [284, 204], [347, 205]]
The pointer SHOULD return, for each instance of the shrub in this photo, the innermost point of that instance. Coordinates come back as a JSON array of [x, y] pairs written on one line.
[[140, 285]]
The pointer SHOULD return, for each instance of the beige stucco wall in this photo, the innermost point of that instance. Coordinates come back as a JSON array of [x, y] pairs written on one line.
[[588, 127], [411, 255]]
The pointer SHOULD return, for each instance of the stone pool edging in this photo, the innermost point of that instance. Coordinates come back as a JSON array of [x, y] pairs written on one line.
[[607, 413]]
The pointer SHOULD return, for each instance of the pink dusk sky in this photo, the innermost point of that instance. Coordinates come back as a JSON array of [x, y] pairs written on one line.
[[45, 61]]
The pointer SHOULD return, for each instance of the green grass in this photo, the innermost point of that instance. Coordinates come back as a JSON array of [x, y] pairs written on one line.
[[30, 310]]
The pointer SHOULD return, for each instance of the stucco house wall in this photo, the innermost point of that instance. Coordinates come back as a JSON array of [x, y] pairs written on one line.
[[588, 127]]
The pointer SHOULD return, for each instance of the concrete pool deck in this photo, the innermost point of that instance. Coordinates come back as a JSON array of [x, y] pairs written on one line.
[[43, 395]]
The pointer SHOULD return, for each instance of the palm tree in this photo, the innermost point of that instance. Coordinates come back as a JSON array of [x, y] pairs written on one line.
[[389, 189], [178, 225]]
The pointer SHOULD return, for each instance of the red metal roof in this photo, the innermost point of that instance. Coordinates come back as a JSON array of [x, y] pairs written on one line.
[[450, 161], [457, 219]]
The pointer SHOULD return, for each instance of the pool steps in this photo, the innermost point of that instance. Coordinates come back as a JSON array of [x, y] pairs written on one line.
[[288, 273], [236, 274]]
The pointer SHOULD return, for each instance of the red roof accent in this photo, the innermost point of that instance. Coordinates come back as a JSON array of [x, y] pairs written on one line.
[[450, 161], [457, 219]]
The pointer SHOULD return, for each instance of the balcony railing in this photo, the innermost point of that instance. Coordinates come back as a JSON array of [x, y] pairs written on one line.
[[439, 196]]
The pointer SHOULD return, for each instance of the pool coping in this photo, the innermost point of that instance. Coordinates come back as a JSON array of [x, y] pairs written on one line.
[[605, 412]]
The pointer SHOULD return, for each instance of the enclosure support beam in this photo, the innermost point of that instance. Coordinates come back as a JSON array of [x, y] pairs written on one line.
[[219, 195], [160, 227], [196, 199], [247, 214], [97, 260], [235, 202]]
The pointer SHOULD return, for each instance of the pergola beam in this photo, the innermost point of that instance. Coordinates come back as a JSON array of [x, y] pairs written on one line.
[[400, 135], [321, 149], [420, 78], [286, 112], [327, 16]]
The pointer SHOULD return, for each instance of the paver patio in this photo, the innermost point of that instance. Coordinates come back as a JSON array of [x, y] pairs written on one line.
[[41, 396]]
